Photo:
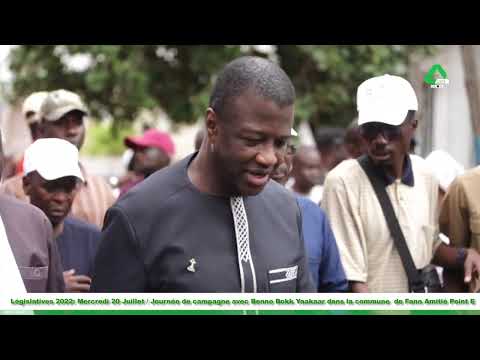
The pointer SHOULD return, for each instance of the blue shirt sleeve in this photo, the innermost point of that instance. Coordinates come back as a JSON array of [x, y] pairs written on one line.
[[78, 244], [324, 259], [331, 274]]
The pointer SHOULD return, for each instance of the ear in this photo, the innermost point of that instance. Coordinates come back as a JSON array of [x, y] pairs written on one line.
[[27, 185], [414, 123], [211, 124]]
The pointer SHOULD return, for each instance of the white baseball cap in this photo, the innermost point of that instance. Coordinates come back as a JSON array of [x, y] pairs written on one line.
[[32, 104], [59, 103], [386, 99], [52, 158]]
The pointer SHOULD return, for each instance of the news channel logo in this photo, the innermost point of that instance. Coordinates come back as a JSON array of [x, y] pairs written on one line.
[[437, 77]]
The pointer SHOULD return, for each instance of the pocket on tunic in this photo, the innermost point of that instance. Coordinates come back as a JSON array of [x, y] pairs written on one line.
[[283, 280], [34, 278]]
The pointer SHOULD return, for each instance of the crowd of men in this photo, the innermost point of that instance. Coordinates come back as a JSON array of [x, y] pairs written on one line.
[[250, 210]]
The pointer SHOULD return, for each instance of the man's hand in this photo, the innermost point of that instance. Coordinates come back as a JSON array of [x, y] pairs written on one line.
[[76, 283], [471, 265]]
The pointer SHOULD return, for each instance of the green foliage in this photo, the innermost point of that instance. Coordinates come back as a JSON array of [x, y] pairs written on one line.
[[326, 77], [104, 140], [122, 79]]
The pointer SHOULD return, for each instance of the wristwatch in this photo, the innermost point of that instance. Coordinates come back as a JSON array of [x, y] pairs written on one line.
[[461, 256]]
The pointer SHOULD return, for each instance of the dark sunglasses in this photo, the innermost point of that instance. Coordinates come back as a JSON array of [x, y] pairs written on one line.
[[67, 184], [370, 131]]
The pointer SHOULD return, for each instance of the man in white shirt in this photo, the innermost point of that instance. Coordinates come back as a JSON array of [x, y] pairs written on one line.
[[387, 106]]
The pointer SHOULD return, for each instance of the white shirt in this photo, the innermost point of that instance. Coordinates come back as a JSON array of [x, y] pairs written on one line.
[[315, 194]]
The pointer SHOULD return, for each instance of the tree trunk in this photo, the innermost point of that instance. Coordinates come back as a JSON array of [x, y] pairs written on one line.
[[472, 85]]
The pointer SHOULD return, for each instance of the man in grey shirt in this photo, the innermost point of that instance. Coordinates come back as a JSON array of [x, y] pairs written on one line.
[[215, 222], [30, 239]]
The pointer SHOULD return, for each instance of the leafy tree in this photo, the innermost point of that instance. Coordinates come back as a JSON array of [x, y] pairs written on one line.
[[118, 80], [326, 77]]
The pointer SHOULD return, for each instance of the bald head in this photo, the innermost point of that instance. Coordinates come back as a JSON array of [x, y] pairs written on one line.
[[306, 153], [307, 169]]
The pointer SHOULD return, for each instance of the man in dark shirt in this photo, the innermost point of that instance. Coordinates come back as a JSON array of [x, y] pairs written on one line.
[[52, 176], [214, 222]]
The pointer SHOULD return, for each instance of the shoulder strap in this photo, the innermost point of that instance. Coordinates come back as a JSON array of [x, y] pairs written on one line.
[[396, 232]]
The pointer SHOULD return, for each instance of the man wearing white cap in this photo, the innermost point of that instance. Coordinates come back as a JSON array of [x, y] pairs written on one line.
[[370, 252], [51, 180], [62, 116]]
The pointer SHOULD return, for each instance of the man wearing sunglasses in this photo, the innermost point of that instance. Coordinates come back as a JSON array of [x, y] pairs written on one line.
[[387, 106]]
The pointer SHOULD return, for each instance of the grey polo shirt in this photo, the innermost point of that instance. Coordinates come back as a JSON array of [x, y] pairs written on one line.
[[166, 236]]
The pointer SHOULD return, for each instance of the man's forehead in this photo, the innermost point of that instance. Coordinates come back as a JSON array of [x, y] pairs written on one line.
[[259, 127], [309, 154], [251, 99], [307, 150]]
